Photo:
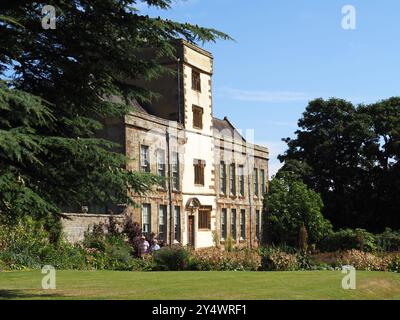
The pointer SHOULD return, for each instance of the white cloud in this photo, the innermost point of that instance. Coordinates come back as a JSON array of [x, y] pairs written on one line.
[[281, 123], [263, 96], [184, 2]]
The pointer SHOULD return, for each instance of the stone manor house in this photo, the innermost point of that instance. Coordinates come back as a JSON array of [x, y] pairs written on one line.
[[213, 177]]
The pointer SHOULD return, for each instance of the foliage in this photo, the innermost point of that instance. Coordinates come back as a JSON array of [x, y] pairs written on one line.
[[365, 260], [108, 247], [303, 238], [388, 240], [348, 239], [65, 84], [173, 258], [291, 204], [274, 259], [228, 244], [95, 237], [395, 264], [133, 231], [350, 156], [26, 245], [214, 259], [216, 239]]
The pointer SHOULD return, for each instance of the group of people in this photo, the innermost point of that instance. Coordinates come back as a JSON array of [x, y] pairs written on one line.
[[145, 248]]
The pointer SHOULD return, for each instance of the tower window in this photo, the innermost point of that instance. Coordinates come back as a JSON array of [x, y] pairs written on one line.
[[197, 117], [196, 82], [199, 172]]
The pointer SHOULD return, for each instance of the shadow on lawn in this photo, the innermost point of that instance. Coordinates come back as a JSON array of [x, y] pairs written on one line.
[[20, 294]]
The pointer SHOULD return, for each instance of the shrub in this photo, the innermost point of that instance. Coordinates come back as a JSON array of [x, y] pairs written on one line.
[[173, 258], [118, 254], [349, 239], [95, 238], [228, 244], [26, 245], [214, 259], [364, 260], [63, 256], [216, 239], [395, 264], [274, 259], [388, 240], [144, 264], [290, 204], [133, 231]]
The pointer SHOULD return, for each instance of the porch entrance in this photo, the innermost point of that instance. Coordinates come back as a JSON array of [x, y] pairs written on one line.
[[191, 226]]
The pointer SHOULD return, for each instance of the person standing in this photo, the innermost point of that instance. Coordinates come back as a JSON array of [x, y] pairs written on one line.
[[155, 246], [143, 246]]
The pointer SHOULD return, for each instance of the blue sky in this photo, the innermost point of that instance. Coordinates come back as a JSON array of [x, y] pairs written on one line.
[[288, 52]]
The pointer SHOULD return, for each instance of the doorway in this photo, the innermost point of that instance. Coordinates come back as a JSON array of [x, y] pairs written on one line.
[[191, 239]]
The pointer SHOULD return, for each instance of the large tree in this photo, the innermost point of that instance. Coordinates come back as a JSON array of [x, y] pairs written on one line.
[[349, 154], [291, 205], [57, 98]]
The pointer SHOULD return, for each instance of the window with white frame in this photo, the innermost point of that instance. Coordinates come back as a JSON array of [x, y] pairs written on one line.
[[233, 224], [223, 224], [161, 165], [241, 180], [232, 179], [255, 177], [146, 218], [175, 171], [243, 224], [222, 177], [144, 158], [162, 222]]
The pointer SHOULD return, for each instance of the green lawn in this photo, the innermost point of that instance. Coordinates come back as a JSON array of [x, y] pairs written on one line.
[[199, 285]]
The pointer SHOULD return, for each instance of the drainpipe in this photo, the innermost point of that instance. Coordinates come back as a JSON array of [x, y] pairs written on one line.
[[179, 90], [250, 202], [171, 215]]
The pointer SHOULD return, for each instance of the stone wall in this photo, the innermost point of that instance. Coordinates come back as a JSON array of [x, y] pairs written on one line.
[[75, 224]]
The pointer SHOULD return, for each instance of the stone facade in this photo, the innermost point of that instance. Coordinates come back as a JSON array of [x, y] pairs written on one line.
[[215, 141], [167, 127], [76, 224]]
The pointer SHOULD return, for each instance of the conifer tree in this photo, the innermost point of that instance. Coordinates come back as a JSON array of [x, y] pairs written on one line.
[[57, 96]]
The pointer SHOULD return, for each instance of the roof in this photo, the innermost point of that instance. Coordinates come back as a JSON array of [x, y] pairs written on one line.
[[225, 127], [138, 107]]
